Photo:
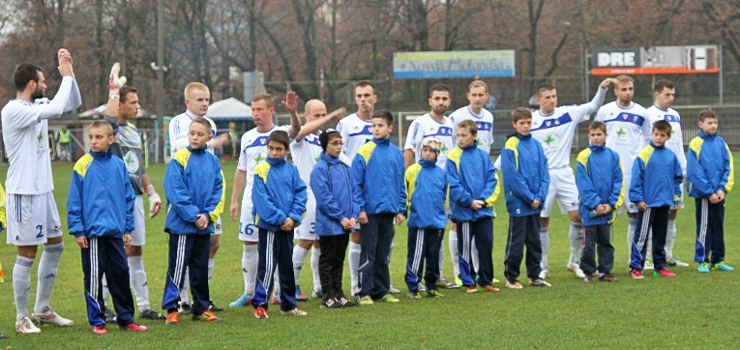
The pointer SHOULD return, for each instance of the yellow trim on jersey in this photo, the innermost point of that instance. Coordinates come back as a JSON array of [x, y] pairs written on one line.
[[695, 145], [731, 178], [583, 158], [261, 170], [410, 180], [366, 151], [182, 156], [455, 156], [220, 207], [492, 198], [512, 144], [645, 154], [3, 221], [83, 163]]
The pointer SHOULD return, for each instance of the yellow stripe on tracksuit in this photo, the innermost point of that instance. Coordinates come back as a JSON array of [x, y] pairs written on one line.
[[261, 170], [182, 156]]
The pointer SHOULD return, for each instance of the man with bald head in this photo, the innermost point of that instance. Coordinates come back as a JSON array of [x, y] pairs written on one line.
[[305, 150]]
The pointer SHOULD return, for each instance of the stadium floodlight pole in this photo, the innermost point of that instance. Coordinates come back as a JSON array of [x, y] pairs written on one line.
[[160, 68]]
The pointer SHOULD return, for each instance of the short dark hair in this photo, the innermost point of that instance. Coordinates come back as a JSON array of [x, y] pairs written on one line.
[[544, 87], [438, 87], [102, 124], [707, 114], [662, 125], [385, 115], [280, 136], [597, 125], [327, 136], [470, 125], [25, 73], [124, 91], [365, 83], [202, 121], [521, 113], [661, 84]]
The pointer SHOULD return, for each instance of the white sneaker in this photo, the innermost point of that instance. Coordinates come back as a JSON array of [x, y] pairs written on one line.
[[51, 317], [675, 262], [544, 274], [25, 325], [295, 312], [539, 283], [393, 290], [573, 267], [649, 265]]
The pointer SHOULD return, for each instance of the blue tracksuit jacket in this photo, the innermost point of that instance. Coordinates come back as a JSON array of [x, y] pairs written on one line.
[[278, 193], [599, 180], [471, 176], [334, 189], [426, 187], [193, 184], [378, 172], [526, 178], [101, 199], [656, 177], [709, 166]]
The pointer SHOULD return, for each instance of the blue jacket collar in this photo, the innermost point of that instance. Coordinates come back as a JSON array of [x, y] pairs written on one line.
[[596, 148], [102, 155], [329, 159], [427, 163], [523, 137], [197, 150], [658, 147], [704, 136], [382, 142], [275, 161]]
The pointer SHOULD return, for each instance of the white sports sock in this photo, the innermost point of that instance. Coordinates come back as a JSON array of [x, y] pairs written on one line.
[[137, 276], [315, 255], [251, 261], [474, 253], [441, 260], [576, 243], [211, 264], [354, 265], [390, 252], [545, 245], [299, 255], [670, 238], [47, 275], [106, 292], [276, 282], [631, 227], [184, 296], [454, 254], [21, 285]]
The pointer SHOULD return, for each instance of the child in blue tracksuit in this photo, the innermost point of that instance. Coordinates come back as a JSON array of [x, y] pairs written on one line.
[[473, 190], [337, 208], [279, 198], [526, 180], [426, 187], [600, 186], [378, 170], [100, 215], [655, 188], [193, 186], [710, 177]]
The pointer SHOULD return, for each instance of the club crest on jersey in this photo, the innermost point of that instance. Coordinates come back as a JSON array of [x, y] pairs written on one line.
[[625, 116], [263, 140], [131, 161]]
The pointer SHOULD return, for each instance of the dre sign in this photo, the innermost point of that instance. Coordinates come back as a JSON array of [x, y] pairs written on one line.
[[616, 58]]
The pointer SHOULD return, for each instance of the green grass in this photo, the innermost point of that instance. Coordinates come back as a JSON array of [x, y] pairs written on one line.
[[691, 310]]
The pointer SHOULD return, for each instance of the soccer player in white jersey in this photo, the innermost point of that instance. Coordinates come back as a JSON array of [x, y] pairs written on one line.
[[254, 151], [555, 128], [664, 92], [32, 214], [627, 128], [434, 123], [305, 150], [356, 130], [477, 95], [197, 99]]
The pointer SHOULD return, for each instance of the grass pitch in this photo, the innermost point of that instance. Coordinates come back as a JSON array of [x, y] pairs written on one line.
[[690, 311]]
